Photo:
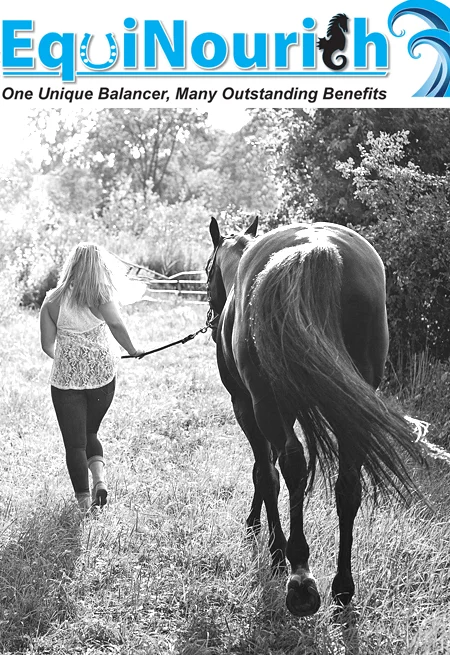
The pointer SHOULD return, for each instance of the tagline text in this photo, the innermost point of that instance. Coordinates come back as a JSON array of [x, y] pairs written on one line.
[[187, 94]]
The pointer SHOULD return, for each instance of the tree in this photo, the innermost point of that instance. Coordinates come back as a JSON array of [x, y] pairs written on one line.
[[140, 144], [16, 181], [232, 171], [412, 235], [311, 142], [245, 169], [101, 150]]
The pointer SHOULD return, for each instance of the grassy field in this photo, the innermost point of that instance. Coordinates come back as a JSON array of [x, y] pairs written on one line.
[[165, 568]]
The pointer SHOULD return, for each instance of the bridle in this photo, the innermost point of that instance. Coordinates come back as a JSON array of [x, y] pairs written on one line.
[[212, 317]]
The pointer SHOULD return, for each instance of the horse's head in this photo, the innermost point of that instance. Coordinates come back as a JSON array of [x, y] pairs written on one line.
[[222, 265], [342, 21]]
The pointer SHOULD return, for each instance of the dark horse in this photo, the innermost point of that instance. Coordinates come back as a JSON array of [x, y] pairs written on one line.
[[301, 334], [334, 41]]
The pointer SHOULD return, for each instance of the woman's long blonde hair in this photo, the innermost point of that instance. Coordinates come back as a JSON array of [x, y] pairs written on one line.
[[86, 277]]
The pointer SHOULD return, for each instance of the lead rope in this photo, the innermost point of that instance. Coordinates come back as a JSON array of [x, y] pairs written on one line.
[[209, 324]]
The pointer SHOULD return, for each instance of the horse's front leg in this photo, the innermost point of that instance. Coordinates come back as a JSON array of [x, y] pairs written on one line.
[[348, 501], [266, 481], [302, 597]]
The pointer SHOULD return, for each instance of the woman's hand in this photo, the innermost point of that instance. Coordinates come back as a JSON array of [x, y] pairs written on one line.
[[137, 353]]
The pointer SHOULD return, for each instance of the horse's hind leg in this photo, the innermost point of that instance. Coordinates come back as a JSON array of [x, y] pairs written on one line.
[[348, 500], [302, 597], [266, 481], [367, 342], [254, 518]]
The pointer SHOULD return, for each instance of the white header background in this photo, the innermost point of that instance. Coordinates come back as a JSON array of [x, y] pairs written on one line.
[[405, 74]]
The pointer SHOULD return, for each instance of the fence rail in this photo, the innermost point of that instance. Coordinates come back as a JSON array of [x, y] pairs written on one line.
[[159, 286]]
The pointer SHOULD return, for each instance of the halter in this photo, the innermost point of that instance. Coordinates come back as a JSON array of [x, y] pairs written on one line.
[[210, 265], [212, 261], [210, 320]]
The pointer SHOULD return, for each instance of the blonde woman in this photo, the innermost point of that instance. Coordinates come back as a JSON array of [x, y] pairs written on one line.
[[74, 323]]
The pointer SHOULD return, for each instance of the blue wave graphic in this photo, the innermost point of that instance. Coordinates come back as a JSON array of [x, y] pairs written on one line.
[[437, 16]]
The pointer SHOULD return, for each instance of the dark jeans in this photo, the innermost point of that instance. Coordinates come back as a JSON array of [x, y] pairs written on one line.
[[79, 414]]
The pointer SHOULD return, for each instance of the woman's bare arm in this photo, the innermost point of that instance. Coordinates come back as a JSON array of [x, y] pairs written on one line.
[[111, 315], [48, 331]]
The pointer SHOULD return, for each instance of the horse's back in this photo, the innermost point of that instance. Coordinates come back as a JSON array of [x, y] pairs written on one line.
[[363, 268]]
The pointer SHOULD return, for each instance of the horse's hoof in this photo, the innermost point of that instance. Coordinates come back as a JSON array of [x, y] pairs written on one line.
[[342, 600], [343, 589], [302, 598]]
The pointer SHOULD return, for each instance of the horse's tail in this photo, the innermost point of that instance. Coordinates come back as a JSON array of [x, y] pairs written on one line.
[[327, 58], [296, 327]]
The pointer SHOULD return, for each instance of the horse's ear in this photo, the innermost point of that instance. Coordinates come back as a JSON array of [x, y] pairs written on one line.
[[253, 227], [214, 232]]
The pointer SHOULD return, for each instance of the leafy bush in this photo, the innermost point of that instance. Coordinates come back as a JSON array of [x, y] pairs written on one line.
[[10, 289], [412, 236]]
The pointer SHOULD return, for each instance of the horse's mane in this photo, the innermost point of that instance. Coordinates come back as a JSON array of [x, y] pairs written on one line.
[[340, 20]]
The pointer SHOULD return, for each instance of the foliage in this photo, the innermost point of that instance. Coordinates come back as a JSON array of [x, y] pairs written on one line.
[[115, 145], [142, 183], [168, 238], [16, 181], [311, 142], [140, 144], [93, 158], [11, 289], [248, 182], [412, 236]]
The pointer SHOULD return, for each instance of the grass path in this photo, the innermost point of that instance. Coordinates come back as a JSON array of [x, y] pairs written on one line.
[[165, 568]]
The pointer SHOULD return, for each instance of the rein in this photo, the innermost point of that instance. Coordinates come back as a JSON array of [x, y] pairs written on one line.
[[209, 324]]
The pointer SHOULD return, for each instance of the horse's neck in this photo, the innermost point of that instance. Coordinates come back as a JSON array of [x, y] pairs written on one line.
[[229, 277], [229, 274], [229, 271]]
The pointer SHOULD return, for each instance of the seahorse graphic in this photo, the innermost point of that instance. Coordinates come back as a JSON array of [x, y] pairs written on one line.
[[335, 40]]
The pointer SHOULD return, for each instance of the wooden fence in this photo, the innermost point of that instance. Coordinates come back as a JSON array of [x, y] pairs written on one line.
[[189, 285]]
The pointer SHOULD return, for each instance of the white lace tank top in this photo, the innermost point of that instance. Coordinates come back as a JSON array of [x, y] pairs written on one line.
[[86, 356]]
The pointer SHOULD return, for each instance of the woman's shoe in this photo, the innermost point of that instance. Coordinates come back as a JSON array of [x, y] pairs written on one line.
[[99, 494], [84, 503]]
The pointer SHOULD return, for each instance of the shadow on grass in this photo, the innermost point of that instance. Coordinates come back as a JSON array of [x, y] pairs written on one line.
[[265, 626], [36, 568], [346, 620]]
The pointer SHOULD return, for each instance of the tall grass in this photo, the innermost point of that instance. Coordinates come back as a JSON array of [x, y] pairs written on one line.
[[425, 389], [165, 568]]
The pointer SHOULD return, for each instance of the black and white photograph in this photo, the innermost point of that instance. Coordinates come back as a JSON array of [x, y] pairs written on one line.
[[225, 329]]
